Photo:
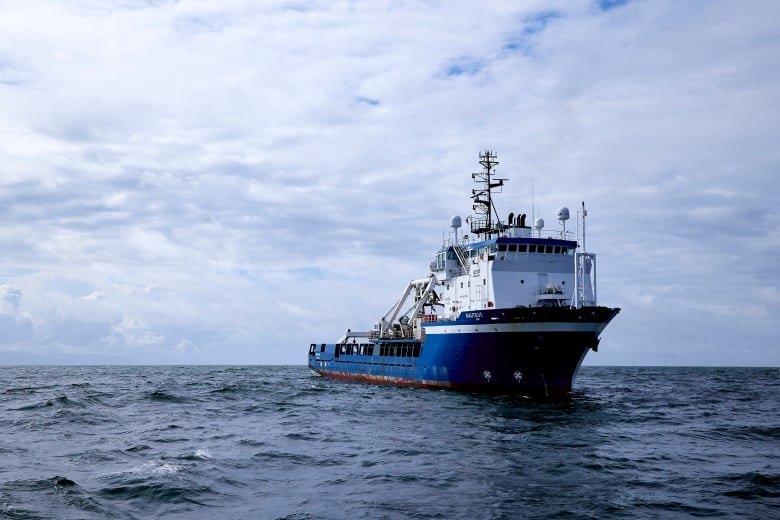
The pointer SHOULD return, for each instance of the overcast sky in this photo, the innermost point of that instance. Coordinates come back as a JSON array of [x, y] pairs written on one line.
[[227, 182]]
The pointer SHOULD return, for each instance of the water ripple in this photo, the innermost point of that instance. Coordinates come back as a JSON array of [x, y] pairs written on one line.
[[278, 442]]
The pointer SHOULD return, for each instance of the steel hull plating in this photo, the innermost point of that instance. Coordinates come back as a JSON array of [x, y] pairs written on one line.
[[524, 351]]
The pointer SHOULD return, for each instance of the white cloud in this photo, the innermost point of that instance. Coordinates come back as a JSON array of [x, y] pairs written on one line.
[[231, 181]]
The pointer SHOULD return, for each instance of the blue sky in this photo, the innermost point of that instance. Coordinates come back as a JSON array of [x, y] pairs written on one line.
[[226, 182]]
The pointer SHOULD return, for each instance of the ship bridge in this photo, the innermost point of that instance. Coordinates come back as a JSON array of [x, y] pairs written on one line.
[[507, 263]]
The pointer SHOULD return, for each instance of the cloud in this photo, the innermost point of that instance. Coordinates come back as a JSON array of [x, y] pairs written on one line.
[[228, 182], [11, 298]]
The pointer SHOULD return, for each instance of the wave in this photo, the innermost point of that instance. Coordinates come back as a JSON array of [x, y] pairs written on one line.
[[161, 395], [158, 492], [61, 401], [754, 485]]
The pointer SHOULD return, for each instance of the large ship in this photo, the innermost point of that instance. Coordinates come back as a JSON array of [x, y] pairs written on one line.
[[506, 308]]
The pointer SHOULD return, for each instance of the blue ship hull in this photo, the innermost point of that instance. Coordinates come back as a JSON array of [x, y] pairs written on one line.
[[530, 351]]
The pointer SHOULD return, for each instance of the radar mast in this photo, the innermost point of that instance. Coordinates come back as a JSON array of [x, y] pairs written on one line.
[[482, 195]]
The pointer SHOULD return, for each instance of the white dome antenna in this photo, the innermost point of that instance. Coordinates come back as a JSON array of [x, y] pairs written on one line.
[[455, 223], [538, 226], [563, 216]]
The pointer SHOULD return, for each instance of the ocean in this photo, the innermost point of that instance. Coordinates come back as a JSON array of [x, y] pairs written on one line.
[[281, 442]]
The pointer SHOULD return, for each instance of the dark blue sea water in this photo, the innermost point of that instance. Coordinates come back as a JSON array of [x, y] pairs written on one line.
[[280, 442]]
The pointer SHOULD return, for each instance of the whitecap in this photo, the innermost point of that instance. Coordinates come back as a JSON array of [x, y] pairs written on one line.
[[157, 467], [202, 453]]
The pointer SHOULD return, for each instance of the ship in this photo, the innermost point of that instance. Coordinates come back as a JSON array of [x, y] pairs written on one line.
[[505, 308]]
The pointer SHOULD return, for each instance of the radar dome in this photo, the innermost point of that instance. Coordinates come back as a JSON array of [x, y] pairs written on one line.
[[455, 222], [539, 223], [563, 213]]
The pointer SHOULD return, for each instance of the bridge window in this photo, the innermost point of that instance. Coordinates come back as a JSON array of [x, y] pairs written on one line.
[[522, 248], [502, 247], [512, 248], [557, 250], [532, 248], [549, 250]]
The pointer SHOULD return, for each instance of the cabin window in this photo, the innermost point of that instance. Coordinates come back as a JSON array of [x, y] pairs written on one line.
[[522, 281], [502, 247], [484, 282], [522, 248], [461, 285], [532, 248], [557, 250], [549, 250], [512, 248]]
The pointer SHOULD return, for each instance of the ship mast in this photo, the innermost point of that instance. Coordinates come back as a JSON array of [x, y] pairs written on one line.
[[482, 195]]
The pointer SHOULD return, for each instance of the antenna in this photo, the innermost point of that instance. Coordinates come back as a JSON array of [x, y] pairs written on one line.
[[533, 201], [539, 226], [563, 216], [455, 223], [482, 195], [584, 214]]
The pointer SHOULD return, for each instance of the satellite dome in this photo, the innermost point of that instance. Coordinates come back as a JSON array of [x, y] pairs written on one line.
[[563, 214], [455, 222], [539, 223]]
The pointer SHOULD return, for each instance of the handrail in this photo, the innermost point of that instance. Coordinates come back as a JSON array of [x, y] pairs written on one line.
[[461, 258]]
